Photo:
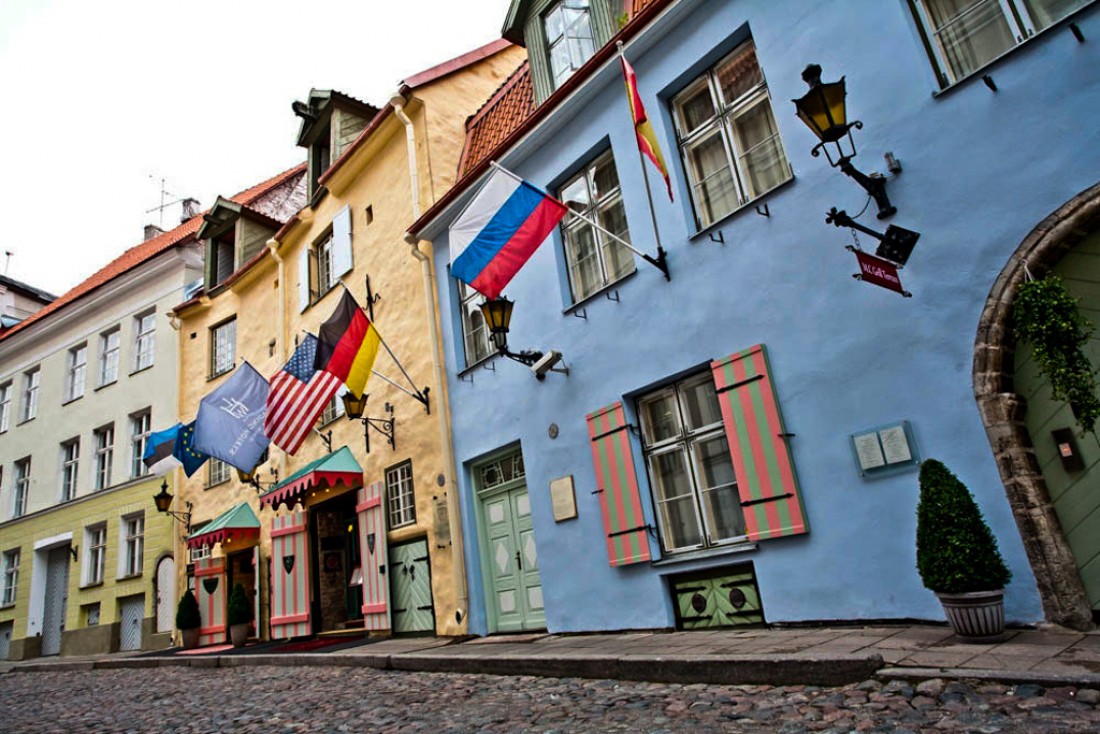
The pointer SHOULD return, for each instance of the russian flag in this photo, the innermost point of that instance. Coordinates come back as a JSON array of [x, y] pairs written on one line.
[[499, 230]]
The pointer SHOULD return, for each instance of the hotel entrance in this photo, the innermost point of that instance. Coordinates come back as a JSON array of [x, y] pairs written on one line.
[[337, 597]]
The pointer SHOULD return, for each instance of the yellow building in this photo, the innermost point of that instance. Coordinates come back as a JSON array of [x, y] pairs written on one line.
[[359, 528]]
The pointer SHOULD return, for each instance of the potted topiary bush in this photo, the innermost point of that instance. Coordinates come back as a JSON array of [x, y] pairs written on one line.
[[240, 615], [188, 620], [957, 556]]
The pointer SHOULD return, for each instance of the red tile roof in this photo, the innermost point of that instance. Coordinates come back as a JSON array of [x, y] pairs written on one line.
[[456, 64], [147, 250], [506, 110]]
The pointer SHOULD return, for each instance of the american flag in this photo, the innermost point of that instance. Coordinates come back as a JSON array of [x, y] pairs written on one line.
[[298, 395]]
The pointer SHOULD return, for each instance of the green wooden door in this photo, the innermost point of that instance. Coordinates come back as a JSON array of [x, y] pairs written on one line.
[[1074, 493], [411, 588], [514, 586]]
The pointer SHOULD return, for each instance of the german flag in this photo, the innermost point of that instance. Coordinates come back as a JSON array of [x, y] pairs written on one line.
[[347, 345]]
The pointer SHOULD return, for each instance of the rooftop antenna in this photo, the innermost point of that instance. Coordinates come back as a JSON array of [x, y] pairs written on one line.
[[165, 195]]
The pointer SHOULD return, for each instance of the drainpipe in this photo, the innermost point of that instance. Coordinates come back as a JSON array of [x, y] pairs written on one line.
[[458, 563], [281, 338]]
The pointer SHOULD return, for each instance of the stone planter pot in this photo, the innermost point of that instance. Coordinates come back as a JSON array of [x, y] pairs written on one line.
[[976, 616], [190, 638], [238, 634]]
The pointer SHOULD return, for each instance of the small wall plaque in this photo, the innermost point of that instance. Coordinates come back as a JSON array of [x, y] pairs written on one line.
[[879, 450], [563, 498]]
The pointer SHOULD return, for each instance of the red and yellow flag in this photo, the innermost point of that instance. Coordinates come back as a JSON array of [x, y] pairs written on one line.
[[347, 345], [647, 139]]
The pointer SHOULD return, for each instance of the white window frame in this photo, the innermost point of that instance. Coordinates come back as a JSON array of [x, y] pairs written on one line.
[[197, 554], [141, 425], [5, 405], [401, 495], [70, 468], [217, 471], [32, 382], [476, 346], [132, 542], [21, 487], [721, 125], [685, 443], [95, 555], [595, 208], [569, 38], [333, 410], [323, 273], [1022, 20], [76, 372], [145, 340], [223, 347], [110, 345], [9, 587], [104, 457]]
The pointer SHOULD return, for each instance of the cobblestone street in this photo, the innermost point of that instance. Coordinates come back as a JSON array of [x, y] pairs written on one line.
[[274, 700]]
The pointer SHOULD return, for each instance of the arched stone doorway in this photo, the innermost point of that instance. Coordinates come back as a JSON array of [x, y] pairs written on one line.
[[1002, 410]]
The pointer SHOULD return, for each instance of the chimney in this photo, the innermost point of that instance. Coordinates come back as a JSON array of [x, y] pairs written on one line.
[[190, 209], [151, 231]]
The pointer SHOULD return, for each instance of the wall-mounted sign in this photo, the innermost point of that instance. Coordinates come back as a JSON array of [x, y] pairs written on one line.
[[877, 271], [563, 498], [887, 447]]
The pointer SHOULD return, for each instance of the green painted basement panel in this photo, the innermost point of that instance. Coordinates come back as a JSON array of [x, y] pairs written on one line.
[[728, 600]]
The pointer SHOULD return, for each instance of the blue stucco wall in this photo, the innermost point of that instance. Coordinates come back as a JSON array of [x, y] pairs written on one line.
[[981, 169]]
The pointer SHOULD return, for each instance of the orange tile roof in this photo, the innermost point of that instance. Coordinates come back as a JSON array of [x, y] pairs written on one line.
[[506, 110], [147, 250]]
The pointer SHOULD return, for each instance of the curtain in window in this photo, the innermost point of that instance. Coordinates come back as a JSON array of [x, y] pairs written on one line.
[[970, 34]]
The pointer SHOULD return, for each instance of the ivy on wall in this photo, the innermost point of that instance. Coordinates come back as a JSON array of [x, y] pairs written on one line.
[[1048, 319]]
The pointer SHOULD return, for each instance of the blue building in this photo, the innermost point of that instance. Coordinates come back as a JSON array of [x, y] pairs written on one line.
[[740, 443]]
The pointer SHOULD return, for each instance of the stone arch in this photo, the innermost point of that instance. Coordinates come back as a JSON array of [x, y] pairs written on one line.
[[1002, 410]]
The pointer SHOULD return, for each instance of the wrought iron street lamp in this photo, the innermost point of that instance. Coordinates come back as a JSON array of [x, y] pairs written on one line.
[[163, 501], [498, 314], [355, 406], [249, 477], [823, 110]]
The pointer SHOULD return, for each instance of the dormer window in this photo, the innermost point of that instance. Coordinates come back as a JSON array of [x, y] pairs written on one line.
[[224, 255], [233, 235], [569, 40], [330, 123]]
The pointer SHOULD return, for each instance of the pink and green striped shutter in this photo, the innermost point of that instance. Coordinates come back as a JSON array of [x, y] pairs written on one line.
[[372, 553], [762, 463], [289, 576], [617, 484], [210, 592]]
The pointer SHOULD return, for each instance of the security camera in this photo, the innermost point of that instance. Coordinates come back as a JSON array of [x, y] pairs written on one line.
[[546, 364]]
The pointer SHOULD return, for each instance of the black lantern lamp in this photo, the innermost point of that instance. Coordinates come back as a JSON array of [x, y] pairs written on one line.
[[498, 314], [163, 501], [823, 110], [249, 477], [355, 406]]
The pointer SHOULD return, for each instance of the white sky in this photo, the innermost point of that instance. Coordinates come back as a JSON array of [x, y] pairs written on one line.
[[100, 100]]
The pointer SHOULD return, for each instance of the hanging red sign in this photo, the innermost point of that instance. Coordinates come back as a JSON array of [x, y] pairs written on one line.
[[880, 272]]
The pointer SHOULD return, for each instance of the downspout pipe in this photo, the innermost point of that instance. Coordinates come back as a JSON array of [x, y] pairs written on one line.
[[282, 331], [458, 560]]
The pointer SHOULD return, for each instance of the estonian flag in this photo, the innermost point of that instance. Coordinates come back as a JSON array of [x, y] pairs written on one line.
[[347, 345], [159, 456]]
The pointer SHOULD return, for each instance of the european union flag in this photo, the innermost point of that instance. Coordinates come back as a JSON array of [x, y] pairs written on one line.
[[185, 451], [230, 423]]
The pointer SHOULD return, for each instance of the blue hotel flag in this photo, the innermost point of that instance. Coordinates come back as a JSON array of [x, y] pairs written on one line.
[[230, 423]]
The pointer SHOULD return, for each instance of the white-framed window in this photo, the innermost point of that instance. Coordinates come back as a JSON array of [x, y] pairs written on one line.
[[9, 585], [70, 464], [475, 334], [223, 347], [333, 410], [965, 35], [195, 554], [32, 380], [109, 342], [141, 424], [690, 468], [323, 272], [217, 471], [22, 487], [569, 42], [595, 260], [399, 490], [95, 555], [77, 367], [5, 406], [132, 542], [145, 337], [728, 139], [104, 456]]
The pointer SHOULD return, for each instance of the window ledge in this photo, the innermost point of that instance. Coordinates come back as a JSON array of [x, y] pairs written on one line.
[[484, 362], [26, 420], [215, 484], [141, 369], [723, 221], [106, 384], [597, 293], [94, 584], [129, 577], [7, 606], [708, 554], [211, 378], [71, 400]]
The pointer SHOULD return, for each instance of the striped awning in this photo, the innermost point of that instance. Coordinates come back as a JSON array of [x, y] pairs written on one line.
[[339, 467], [239, 521]]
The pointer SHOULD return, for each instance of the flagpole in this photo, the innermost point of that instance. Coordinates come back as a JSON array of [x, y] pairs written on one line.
[[402, 388], [661, 255], [658, 262]]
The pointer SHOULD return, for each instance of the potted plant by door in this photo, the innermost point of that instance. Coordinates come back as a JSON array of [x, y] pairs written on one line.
[[957, 556], [188, 620], [240, 615]]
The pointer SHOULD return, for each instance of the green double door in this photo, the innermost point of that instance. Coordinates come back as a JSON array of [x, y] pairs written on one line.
[[411, 588], [513, 584]]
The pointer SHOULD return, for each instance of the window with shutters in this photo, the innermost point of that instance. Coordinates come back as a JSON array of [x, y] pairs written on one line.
[[475, 334], [965, 35], [22, 487], [5, 406], [326, 260], [141, 424], [728, 138], [322, 277], [9, 585], [104, 457], [595, 260], [76, 369], [690, 469], [70, 464], [399, 490], [109, 342], [32, 380], [223, 347], [145, 326], [95, 555]]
